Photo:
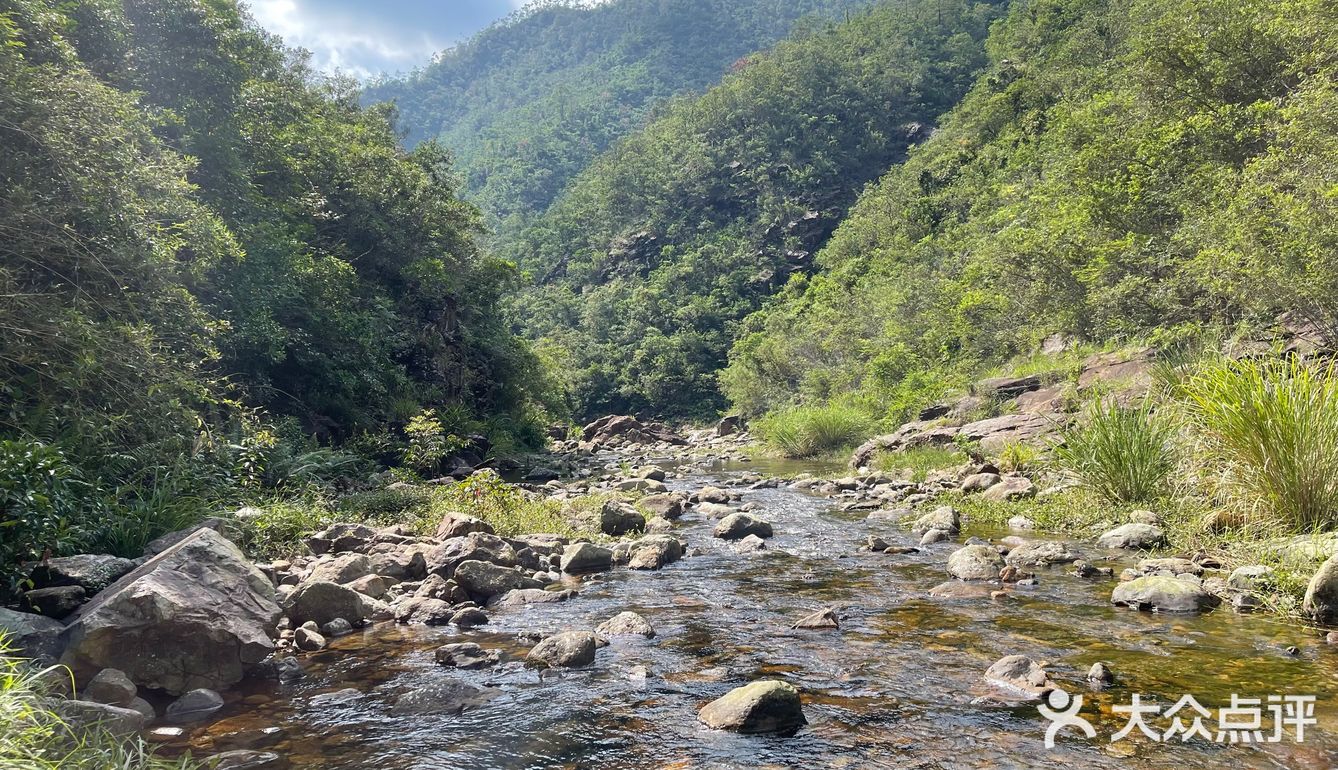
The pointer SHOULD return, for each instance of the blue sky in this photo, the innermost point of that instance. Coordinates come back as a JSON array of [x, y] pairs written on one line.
[[362, 38]]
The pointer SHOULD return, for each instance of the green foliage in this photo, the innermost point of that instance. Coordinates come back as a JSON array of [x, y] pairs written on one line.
[[649, 260], [509, 509], [428, 442], [1017, 457], [1273, 427], [527, 104], [42, 502], [35, 737], [812, 431], [919, 461], [1122, 453], [1121, 167]]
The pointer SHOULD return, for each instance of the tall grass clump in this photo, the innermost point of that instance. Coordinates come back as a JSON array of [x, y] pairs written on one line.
[[1274, 426], [33, 736], [1122, 453], [808, 431]]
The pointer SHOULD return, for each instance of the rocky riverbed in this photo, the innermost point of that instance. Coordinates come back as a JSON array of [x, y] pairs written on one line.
[[776, 614]]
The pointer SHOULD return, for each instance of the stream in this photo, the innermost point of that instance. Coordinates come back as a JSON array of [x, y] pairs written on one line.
[[899, 685]]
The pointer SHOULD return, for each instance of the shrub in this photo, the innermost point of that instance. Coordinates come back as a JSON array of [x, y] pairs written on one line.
[[1274, 426], [42, 499], [34, 737], [812, 430], [507, 508], [1123, 453], [1017, 457]]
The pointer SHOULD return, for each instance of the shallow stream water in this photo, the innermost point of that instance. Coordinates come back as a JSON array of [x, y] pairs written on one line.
[[898, 686]]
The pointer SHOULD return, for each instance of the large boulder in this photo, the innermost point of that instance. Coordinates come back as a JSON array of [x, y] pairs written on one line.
[[654, 551], [91, 571], [737, 526], [1134, 536], [765, 706], [570, 649], [320, 602], [344, 568], [459, 524], [579, 558], [484, 580], [626, 624], [475, 546], [975, 562], [1162, 593], [618, 518], [1321, 595], [32, 636], [944, 518], [196, 615], [664, 506], [1041, 553]]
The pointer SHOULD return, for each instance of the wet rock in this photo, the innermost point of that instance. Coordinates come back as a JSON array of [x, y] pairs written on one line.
[[194, 706], [570, 649], [944, 518], [34, 636], [459, 524], [1321, 594], [1040, 553], [57, 601], [1100, 674], [245, 759], [664, 506], [1021, 522], [1134, 536], [540, 475], [426, 610], [444, 696], [975, 562], [306, 639], [935, 536], [111, 687], [737, 526], [713, 495], [525, 596], [467, 655], [1010, 488], [765, 706], [203, 610], [85, 714], [626, 624], [823, 618], [1091, 572], [579, 558], [165, 734], [469, 617], [900, 550], [89, 571], [250, 740], [714, 510], [957, 589], [1020, 674], [322, 602], [1162, 593], [750, 544], [483, 580], [654, 552]]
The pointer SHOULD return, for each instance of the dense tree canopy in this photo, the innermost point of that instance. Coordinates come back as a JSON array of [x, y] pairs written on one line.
[[528, 103], [1124, 168], [647, 262]]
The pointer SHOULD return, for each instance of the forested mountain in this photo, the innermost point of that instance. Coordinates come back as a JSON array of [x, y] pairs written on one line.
[[645, 265], [1124, 169], [526, 104], [209, 253]]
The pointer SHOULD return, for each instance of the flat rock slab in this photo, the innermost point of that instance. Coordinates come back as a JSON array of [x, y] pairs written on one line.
[[1162, 593], [766, 706]]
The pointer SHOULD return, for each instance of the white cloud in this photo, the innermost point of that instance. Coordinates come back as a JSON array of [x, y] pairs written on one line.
[[355, 43]]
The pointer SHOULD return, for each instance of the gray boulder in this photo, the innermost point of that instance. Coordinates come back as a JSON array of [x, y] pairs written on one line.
[[943, 518], [196, 615], [975, 562], [32, 636], [570, 649], [343, 568], [1321, 594], [765, 706], [56, 601], [654, 551], [979, 482], [1020, 674], [90, 571], [483, 580], [664, 506], [87, 715], [111, 687], [194, 706], [579, 558], [1010, 488], [626, 624], [1040, 553], [737, 526], [322, 602], [467, 655], [618, 518], [1162, 593], [1134, 536]]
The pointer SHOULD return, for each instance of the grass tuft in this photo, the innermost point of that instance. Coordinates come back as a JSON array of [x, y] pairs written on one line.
[[813, 430], [1122, 453], [918, 462], [1273, 428]]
